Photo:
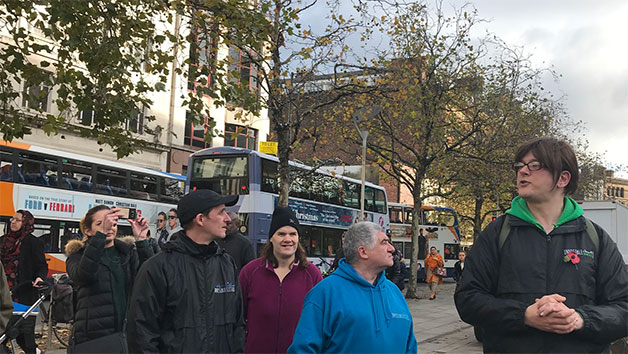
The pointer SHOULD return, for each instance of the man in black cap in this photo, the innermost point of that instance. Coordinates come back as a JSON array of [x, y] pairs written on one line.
[[187, 299]]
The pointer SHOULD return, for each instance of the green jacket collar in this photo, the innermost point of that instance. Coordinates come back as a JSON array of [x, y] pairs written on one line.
[[519, 208]]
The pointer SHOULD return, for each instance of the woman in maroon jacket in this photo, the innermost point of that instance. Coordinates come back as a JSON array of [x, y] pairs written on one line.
[[274, 287]]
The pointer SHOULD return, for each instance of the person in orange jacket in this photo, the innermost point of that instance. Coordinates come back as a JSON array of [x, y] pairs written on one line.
[[433, 261]]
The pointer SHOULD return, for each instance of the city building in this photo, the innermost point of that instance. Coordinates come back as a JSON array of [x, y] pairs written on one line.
[[172, 134]]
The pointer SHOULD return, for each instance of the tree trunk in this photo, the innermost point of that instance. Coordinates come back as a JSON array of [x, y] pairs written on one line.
[[477, 217], [411, 292], [283, 152]]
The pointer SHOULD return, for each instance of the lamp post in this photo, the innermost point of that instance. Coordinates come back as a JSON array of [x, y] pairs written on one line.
[[359, 117]]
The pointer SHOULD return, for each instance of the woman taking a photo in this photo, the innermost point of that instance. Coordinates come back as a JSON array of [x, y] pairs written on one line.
[[103, 269], [433, 261], [25, 265]]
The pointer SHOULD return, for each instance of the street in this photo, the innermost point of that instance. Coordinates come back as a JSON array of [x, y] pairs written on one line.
[[437, 326]]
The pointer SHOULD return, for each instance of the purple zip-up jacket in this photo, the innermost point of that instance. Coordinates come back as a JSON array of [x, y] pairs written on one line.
[[272, 308]]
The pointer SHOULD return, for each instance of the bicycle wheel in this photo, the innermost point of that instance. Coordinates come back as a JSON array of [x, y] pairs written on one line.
[[62, 334]]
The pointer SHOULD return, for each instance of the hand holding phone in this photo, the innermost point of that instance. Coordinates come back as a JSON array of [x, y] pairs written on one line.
[[127, 213]]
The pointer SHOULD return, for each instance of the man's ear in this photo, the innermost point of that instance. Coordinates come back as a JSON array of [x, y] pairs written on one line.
[[362, 253], [198, 219], [563, 179]]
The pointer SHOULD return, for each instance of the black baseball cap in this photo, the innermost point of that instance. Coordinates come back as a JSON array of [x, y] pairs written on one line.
[[199, 202]]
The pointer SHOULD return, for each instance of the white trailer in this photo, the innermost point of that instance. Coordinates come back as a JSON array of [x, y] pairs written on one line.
[[612, 216]]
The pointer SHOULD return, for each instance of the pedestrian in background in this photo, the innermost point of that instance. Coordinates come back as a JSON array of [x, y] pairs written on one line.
[[340, 254], [543, 278], [459, 266], [356, 309], [162, 229], [274, 286], [235, 244], [187, 298], [102, 269], [173, 224], [24, 263], [432, 262], [394, 272]]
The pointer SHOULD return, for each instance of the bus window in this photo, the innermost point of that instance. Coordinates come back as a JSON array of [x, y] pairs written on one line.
[[380, 201], [111, 181], [352, 195], [143, 186], [408, 215], [224, 175], [171, 190], [451, 251], [76, 175], [37, 169], [6, 166], [396, 214], [331, 242], [270, 177]]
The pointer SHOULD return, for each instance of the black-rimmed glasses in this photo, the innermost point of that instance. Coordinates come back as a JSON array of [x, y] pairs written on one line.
[[533, 165], [172, 217]]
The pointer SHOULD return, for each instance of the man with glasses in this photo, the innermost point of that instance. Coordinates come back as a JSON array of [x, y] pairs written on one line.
[[173, 224], [542, 278], [162, 231]]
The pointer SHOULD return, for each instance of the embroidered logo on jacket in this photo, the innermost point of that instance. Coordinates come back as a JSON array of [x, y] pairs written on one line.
[[227, 288], [579, 252]]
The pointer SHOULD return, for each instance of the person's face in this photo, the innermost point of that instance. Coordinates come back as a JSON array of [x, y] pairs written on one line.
[[161, 221], [172, 219], [433, 251], [285, 242], [215, 222], [539, 186], [97, 225], [381, 256], [462, 256], [231, 225], [16, 222]]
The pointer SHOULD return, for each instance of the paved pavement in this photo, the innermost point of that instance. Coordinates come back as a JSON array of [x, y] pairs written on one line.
[[437, 326]]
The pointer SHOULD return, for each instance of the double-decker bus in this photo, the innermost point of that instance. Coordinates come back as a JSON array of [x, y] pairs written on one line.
[[440, 229], [325, 204], [59, 187]]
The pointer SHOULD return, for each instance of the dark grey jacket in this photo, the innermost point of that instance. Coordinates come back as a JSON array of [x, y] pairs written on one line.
[[187, 299], [498, 286]]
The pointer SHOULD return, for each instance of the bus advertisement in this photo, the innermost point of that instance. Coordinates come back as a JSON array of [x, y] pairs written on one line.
[[326, 204]]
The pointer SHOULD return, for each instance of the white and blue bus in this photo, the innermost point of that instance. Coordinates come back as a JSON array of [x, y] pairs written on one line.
[[440, 229], [58, 187], [325, 204]]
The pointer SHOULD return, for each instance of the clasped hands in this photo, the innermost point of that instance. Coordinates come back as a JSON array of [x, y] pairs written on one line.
[[550, 314]]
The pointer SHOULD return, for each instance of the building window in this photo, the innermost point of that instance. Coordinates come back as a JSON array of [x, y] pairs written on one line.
[[136, 122], [202, 59], [240, 136], [244, 69], [195, 134], [86, 117], [36, 96]]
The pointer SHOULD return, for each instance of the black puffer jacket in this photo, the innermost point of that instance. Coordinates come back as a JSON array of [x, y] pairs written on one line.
[[95, 316], [32, 264], [187, 299], [498, 286]]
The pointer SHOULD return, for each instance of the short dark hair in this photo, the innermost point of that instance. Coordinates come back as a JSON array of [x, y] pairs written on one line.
[[556, 156], [174, 210], [161, 213]]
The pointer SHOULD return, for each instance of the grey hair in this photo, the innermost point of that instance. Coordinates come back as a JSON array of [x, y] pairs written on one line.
[[363, 233], [234, 219]]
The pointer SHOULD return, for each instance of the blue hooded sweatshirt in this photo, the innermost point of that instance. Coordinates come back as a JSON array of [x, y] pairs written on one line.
[[346, 314]]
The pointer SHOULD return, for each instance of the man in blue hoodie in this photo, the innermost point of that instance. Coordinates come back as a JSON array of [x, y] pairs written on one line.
[[356, 309]]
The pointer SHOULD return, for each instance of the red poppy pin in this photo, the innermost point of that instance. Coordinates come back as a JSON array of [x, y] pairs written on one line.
[[573, 258]]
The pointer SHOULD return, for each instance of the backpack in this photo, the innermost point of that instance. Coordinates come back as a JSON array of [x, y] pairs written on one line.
[[62, 300], [505, 231]]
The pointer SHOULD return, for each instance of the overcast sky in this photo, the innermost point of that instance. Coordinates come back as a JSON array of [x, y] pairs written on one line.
[[586, 42]]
